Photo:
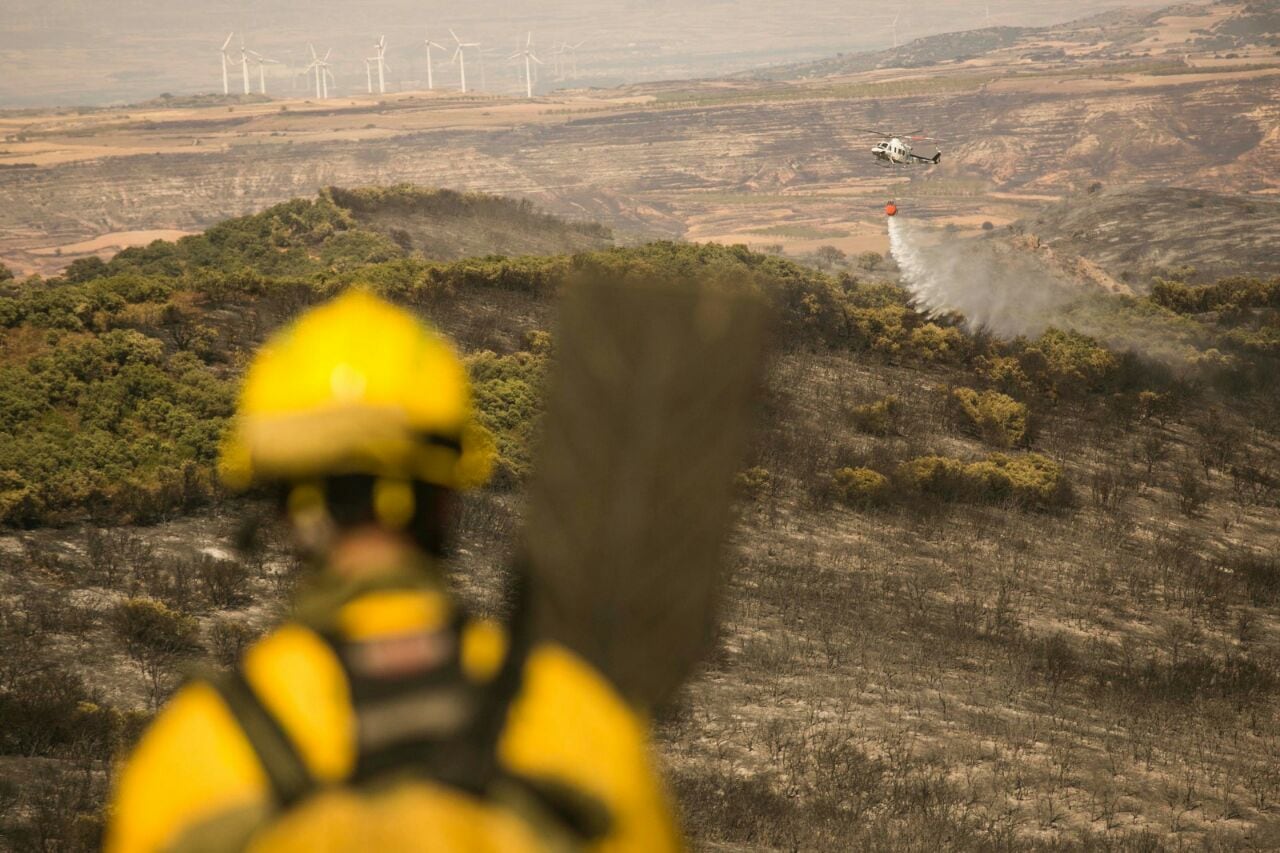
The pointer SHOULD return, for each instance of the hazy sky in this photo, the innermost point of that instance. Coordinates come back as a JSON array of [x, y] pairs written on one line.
[[111, 51]]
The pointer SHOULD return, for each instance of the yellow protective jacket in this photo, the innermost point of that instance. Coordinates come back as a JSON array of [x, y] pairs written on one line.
[[198, 781]]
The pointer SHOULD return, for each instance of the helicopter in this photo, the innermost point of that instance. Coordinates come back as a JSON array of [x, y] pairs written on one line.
[[895, 149]]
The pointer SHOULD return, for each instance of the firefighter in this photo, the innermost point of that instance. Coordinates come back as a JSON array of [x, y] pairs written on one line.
[[381, 716]]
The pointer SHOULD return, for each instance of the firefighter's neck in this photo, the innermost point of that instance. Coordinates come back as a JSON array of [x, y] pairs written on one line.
[[370, 550]]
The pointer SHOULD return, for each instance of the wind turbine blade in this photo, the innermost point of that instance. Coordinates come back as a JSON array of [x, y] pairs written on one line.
[[536, 59], [327, 54], [228, 41], [314, 55], [455, 36]]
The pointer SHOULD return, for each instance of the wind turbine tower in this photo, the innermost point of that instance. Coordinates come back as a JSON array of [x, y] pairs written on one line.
[[321, 69], [460, 57], [572, 50], [244, 65], [226, 81], [380, 51], [557, 59], [263, 62], [528, 56], [431, 83]]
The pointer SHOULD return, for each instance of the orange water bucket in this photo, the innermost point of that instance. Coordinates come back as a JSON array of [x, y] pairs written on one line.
[[890, 209]]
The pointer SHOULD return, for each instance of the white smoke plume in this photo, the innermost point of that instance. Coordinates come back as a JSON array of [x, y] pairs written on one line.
[[1010, 292], [1005, 292]]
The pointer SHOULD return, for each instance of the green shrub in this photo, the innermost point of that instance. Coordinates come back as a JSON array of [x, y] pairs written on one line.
[[939, 477], [48, 710], [508, 395], [1029, 479], [870, 260], [157, 639], [861, 487], [754, 483], [1231, 296], [931, 342], [998, 419], [879, 418], [1067, 364], [1003, 371]]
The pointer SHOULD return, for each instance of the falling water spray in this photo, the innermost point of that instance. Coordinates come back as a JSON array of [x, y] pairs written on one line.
[[1010, 291]]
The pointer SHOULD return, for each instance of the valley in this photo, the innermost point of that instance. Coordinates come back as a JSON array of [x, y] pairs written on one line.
[[1043, 115]]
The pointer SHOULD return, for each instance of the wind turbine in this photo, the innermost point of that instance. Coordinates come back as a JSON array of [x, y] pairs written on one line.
[[484, 80], [380, 50], [321, 68], [244, 65], [226, 82], [460, 57], [572, 50], [528, 56], [431, 83], [557, 59], [895, 29], [263, 62]]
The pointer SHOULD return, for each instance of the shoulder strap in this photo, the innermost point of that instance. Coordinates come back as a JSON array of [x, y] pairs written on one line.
[[287, 773], [465, 759]]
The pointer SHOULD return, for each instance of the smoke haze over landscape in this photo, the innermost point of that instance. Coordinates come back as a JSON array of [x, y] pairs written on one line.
[[75, 52]]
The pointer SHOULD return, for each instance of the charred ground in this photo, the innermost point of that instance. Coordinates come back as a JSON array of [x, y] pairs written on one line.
[[985, 593]]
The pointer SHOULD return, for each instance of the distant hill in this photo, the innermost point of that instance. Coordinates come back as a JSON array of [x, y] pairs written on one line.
[[1115, 35], [1135, 233], [446, 225], [930, 50]]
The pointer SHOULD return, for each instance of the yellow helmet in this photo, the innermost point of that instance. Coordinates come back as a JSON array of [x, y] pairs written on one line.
[[356, 386]]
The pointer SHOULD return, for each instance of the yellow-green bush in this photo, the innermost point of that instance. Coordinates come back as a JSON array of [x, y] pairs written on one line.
[[1002, 370], [878, 418], [1067, 364], [861, 487], [754, 483], [999, 419], [508, 395], [938, 477], [1029, 479], [932, 342]]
